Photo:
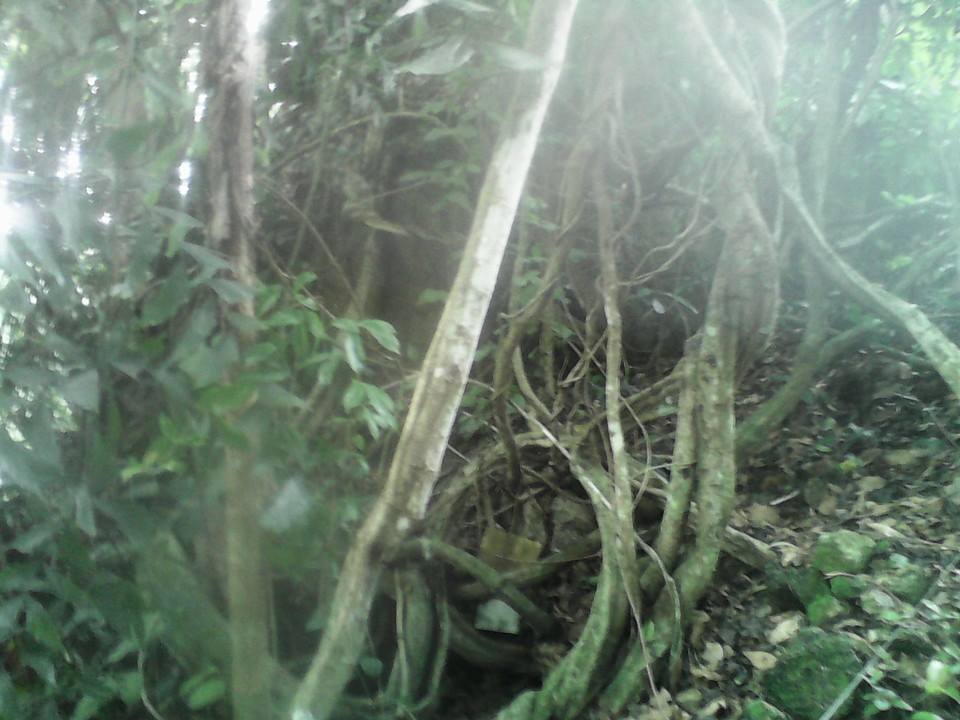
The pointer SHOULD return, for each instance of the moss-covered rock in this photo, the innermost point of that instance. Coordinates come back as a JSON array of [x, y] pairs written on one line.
[[900, 577], [811, 673], [848, 587], [843, 551], [803, 584], [824, 609], [759, 710]]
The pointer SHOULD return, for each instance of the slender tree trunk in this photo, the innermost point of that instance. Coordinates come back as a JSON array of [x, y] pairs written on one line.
[[231, 68], [443, 376]]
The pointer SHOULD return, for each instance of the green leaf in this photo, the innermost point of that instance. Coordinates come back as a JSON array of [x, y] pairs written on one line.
[[371, 666], [203, 690], [126, 647], [285, 318], [84, 512], [355, 395], [209, 260], [440, 60], [379, 400], [88, 707], [353, 352], [83, 390], [9, 614], [302, 280], [940, 679], [201, 367], [223, 398], [924, 715], [27, 542], [273, 395], [316, 326], [42, 664], [269, 296], [181, 225], [244, 323], [230, 291], [383, 332], [167, 298], [42, 627], [124, 142]]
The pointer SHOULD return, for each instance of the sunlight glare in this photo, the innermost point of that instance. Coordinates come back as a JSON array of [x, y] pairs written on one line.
[[257, 15], [11, 216], [7, 129], [70, 163], [184, 172]]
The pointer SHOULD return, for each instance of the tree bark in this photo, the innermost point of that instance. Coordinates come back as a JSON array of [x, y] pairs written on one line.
[[230, 58], [423, 439]]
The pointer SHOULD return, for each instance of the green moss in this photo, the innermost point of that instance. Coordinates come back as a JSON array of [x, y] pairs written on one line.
[[843, 551], [902, 578], [804, 584], [759, 710], [811, 673], [846, 587], [824, 609]]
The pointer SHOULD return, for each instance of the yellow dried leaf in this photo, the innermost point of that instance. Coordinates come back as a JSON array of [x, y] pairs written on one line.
[[763, 515], [712, 654], [762, 661], [784, 630]]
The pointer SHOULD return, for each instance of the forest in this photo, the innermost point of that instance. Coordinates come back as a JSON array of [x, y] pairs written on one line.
[[470, 359]]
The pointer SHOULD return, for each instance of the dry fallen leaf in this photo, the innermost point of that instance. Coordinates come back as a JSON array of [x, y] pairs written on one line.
[[763, 515], [904, 457], [871, 483], [829, 505], [705, 673], [712, 709], [712, 654], [784, 630], [761, 660], [884, 529]]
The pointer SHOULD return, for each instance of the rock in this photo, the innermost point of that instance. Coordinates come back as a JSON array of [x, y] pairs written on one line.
[[824, 609], [904, 579], [877, 602], [843, 551], [759, 710], [804, 584], [847, 587], [811, 673]]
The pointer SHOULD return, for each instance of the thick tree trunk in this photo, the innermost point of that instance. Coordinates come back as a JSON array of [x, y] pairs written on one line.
[[231, 69], [440, 385]]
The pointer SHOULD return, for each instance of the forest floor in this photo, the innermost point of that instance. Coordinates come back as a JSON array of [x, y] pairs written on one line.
[[874, 451]]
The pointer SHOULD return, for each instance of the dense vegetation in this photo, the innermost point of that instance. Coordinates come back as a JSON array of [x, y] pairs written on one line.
[[729, 292]]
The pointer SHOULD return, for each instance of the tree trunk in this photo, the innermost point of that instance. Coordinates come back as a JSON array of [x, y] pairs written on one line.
[[231, 68], [423, 439]]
